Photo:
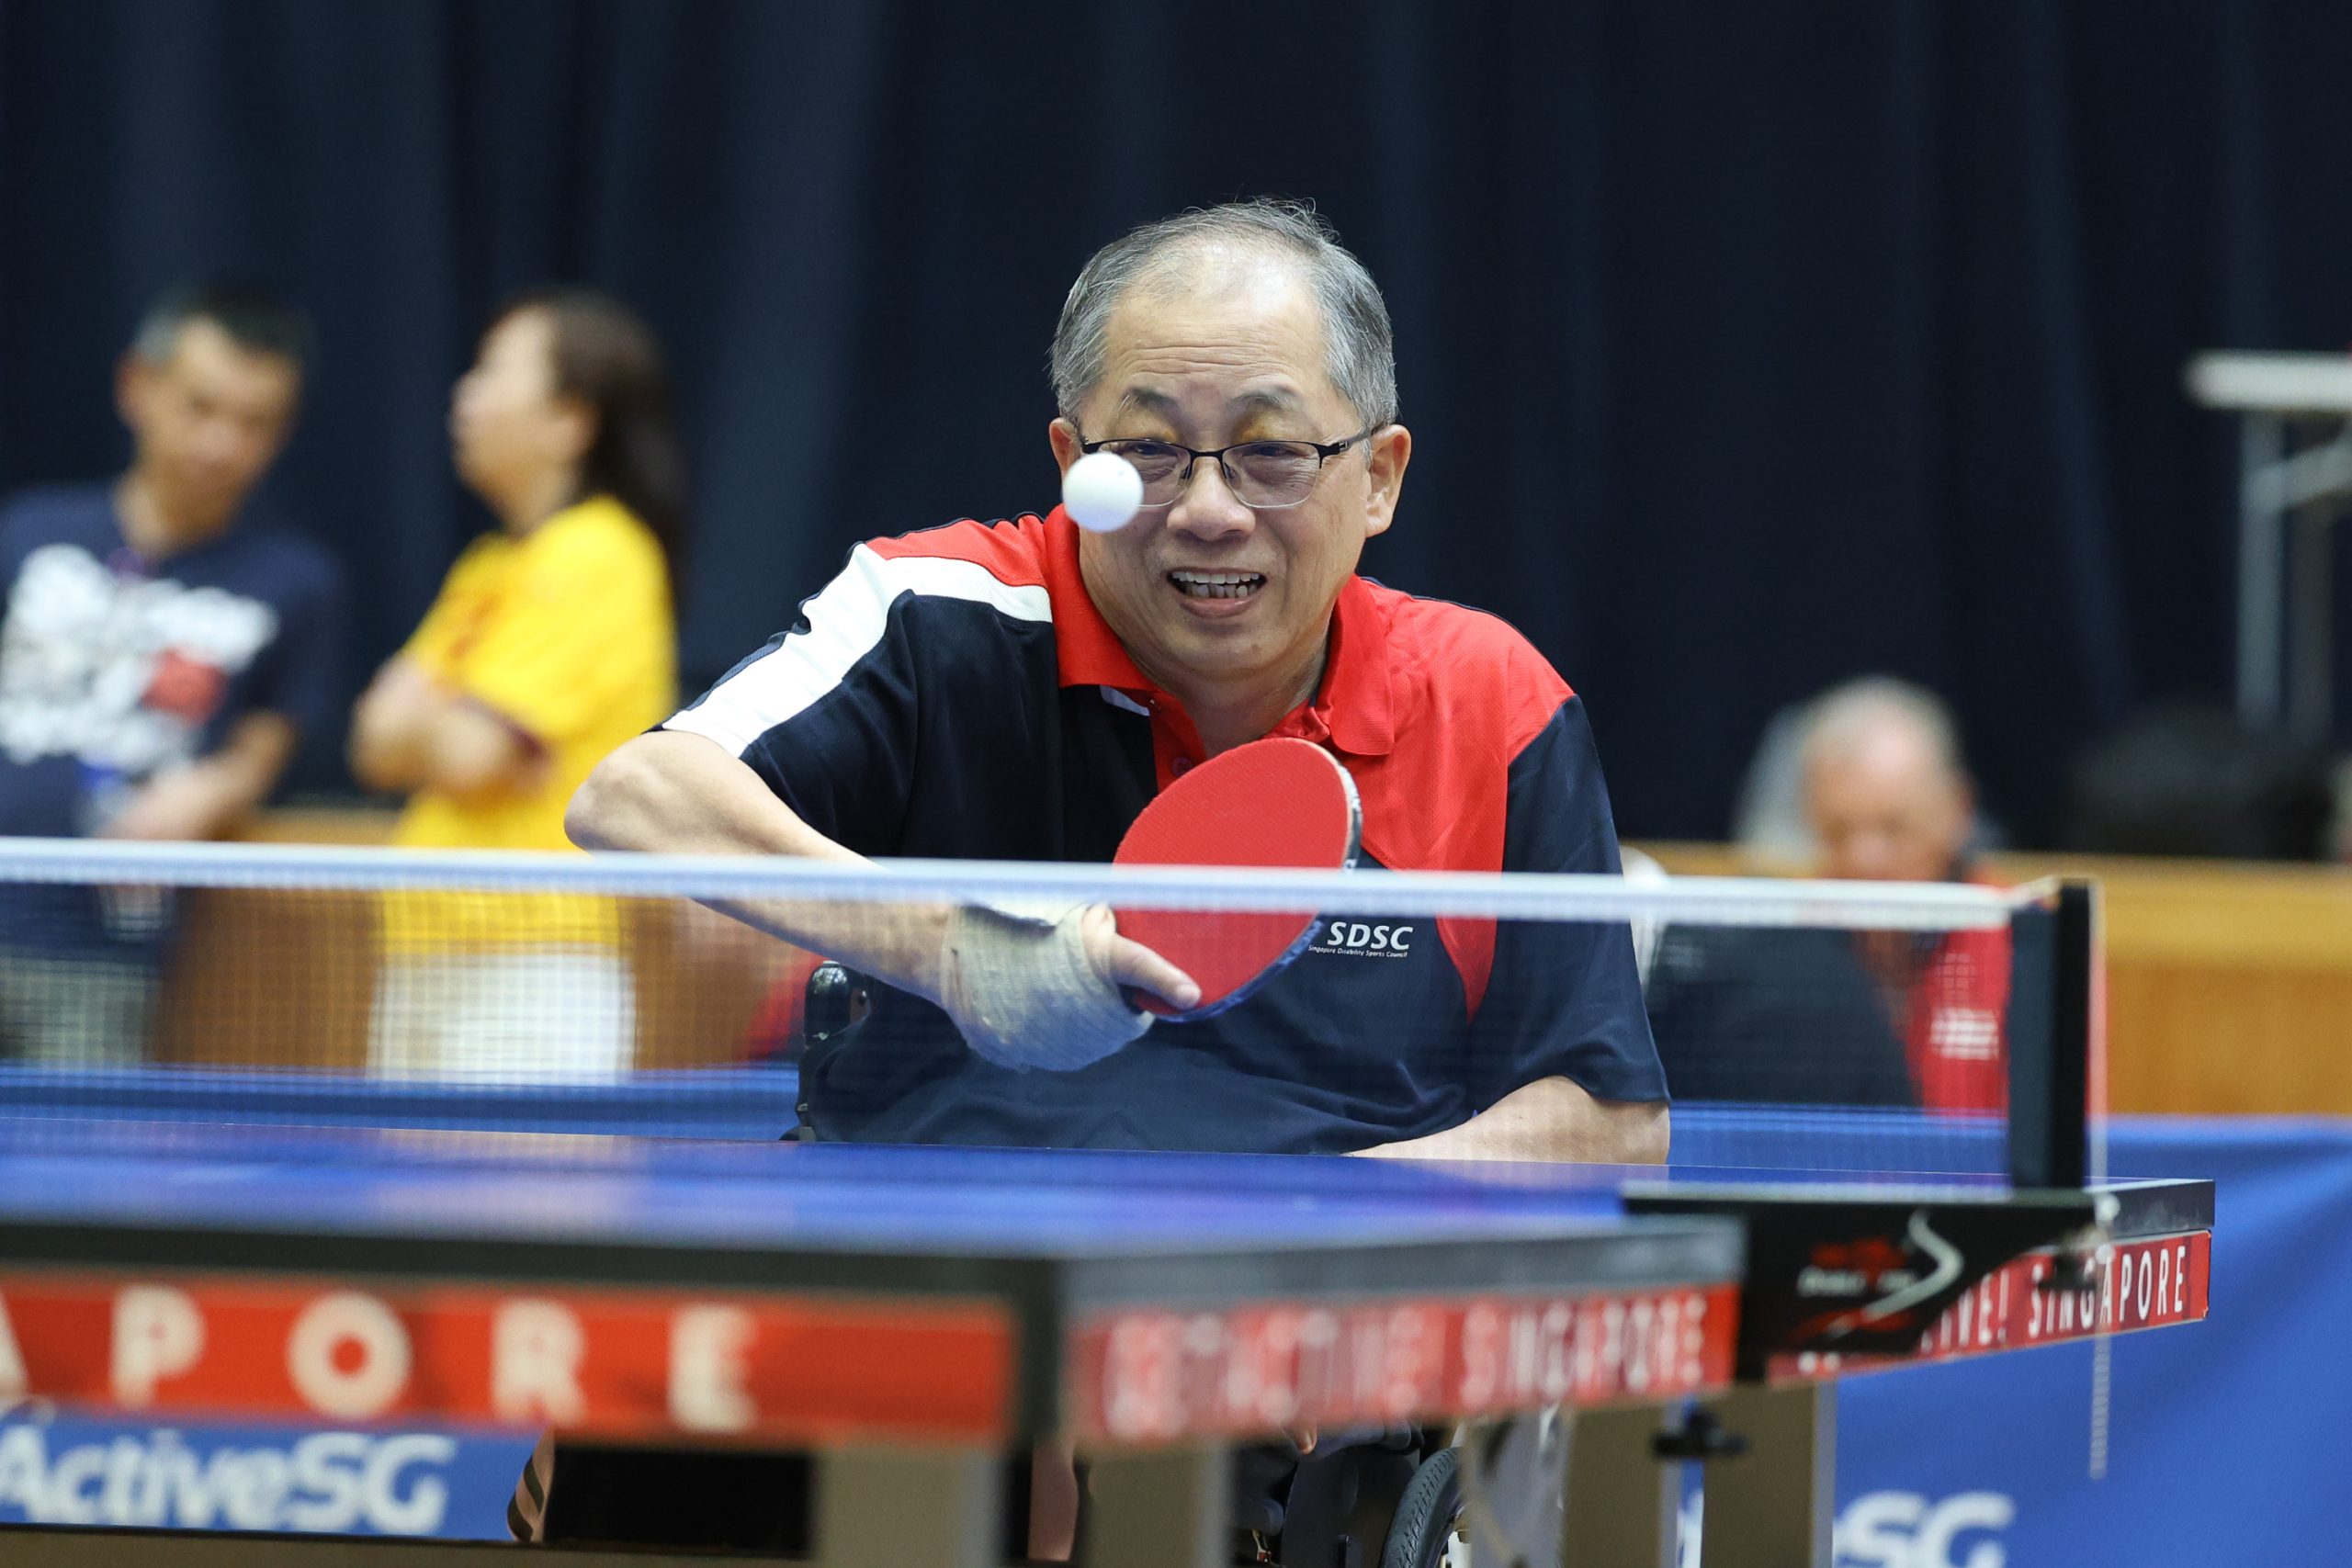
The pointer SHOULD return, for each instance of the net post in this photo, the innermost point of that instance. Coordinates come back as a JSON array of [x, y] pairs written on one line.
[[2047, 1031]]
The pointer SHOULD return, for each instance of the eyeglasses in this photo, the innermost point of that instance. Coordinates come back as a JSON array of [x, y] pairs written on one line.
[[1262, 475]]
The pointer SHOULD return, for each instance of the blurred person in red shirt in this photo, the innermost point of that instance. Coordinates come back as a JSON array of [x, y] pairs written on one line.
[[1887, 799]]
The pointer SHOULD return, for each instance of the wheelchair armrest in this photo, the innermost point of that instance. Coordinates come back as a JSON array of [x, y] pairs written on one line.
[[834, 1004], [837, 1001]]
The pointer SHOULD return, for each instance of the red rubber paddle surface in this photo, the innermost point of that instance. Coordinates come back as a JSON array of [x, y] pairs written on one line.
[[1272, 804]]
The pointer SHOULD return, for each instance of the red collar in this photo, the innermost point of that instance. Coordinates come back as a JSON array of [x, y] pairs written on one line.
[[1352, 709]]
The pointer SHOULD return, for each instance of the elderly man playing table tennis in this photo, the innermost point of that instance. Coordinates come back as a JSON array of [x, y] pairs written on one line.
[[1022, 690]]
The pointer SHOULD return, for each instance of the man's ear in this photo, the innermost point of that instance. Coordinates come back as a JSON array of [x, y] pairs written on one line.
[[1062, 437], [1387, 452]]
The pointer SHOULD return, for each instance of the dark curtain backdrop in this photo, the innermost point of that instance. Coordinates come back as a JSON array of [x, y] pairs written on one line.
[[1747, 346]]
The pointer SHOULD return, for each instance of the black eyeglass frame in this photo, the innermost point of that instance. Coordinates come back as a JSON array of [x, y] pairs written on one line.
[[1324, 452]]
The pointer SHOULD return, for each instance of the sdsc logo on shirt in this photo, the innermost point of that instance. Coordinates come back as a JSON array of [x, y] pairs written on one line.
[[1362, 939]]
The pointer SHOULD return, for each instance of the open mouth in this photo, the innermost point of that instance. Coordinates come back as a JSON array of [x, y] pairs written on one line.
[[1217, 584]]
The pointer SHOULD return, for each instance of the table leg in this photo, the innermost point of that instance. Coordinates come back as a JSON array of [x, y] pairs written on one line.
[[1624, 1501], [914, 1507], [1773, 1507], [1161, 1509]]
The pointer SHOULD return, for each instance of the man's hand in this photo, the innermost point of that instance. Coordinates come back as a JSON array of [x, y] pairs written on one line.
[[184, 803], [993, 972], [1123, 963], [204, 799], [1048, 991], [1551, 1118]]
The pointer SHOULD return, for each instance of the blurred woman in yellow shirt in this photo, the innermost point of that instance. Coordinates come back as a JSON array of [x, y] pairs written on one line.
[[552, 642]]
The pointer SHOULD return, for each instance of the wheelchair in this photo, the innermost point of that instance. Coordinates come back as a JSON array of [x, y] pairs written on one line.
[[1389, 1502], [1360, 1500]]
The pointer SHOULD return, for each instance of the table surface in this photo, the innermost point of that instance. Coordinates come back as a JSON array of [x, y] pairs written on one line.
[[758, 1104], [691, 1195], [293, 1155], [1101, 1274]]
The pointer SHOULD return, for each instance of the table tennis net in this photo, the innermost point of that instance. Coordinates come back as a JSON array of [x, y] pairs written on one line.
[[1798, 1025]]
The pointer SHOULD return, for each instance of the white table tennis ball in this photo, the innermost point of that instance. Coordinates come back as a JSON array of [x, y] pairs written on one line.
[[1101, 492]]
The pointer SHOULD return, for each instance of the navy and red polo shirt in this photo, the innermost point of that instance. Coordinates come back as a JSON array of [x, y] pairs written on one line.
[[956, 692]]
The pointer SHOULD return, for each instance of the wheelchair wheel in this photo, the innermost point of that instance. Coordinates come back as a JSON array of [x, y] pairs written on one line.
[[1422, 1536]]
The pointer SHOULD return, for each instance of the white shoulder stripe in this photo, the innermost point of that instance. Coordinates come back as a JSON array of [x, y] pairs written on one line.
[[1119, 699], [845, 622]]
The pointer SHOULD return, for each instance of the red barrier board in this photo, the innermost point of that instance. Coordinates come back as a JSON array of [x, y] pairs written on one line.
[[2156, 1282], [1152, 1375], [614, 1363]]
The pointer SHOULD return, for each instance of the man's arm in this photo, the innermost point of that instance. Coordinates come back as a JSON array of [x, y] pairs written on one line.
[[1560, 1046], [679, 794], [410, 733], [202, 800], [682, 794], [1551, 1118]]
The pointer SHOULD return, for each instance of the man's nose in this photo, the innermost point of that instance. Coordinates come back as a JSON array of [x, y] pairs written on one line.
[[1873, 856], [220, 444], [1207, 509]]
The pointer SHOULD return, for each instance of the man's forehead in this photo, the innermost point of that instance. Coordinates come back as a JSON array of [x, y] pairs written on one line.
[[1275, 399], [205, 350], [1885, 757], [1254, 331]]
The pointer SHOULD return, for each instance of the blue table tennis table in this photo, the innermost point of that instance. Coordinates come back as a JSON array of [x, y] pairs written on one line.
[[190, 1243]]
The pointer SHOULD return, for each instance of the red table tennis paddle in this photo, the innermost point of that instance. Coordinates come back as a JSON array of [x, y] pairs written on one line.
[[1280, 803]]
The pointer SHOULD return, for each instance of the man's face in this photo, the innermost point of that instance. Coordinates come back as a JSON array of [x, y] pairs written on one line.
[[1234, 352], [1886, 808], [206, 421]]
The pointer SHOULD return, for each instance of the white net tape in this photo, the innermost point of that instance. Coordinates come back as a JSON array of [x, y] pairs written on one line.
[[1683, 901]]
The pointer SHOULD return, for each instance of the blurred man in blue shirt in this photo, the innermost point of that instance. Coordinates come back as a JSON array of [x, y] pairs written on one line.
[[161, 656]]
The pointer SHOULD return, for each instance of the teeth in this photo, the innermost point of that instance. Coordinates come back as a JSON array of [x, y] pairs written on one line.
[[1217, 584]]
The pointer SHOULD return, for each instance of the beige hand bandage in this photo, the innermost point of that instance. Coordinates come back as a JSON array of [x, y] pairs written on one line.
[[1025, 994]]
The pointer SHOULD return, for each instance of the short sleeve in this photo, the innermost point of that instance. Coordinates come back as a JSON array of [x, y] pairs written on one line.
[[1566, 997], [303, 680], [826, 713], [580, 616]]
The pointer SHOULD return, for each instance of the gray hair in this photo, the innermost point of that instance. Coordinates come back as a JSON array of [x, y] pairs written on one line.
[[1360, 345], [1838, 719]]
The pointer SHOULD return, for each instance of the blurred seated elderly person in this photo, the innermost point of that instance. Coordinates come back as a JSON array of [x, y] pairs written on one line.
[[1889, 799], [1883, 790], [1868, 777]]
